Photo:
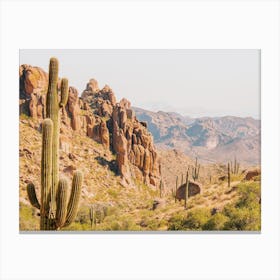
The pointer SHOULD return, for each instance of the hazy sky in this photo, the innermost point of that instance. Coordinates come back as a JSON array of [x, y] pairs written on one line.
[[190, 82]]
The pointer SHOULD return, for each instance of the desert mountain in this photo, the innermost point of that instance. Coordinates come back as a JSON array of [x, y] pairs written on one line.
[[216, 139], [129, 183]]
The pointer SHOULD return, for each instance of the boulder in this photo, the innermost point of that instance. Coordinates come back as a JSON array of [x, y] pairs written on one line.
[[251, 174], [194, 189]]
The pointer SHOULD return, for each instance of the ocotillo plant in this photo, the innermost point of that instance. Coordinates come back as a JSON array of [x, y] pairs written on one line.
[[54, 211], [195, 170], [187, 190], [228, 175]]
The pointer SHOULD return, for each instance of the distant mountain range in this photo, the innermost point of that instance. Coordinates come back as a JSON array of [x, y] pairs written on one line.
[[211, 139]]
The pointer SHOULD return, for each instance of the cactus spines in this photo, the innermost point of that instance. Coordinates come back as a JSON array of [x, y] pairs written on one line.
[[64, 92], [228, 170], [46, 172], [187, 190], [32, 196], [61, 202], [74, 197], [195, 170]]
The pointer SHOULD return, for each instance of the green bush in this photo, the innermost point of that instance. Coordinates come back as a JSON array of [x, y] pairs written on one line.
[[243, 218], [195, 220], [28, 219], [216, 222], [245, 214]]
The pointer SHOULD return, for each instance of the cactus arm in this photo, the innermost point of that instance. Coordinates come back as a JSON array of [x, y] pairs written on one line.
[[32, 196], [61, 202], [46, 172], [64, 92], [74, 198]]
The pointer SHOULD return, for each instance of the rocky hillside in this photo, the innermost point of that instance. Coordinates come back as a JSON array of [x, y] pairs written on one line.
[[97, 115], [211, 139]]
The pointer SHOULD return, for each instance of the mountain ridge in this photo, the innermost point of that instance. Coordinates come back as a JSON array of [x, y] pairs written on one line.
[[209, 138]]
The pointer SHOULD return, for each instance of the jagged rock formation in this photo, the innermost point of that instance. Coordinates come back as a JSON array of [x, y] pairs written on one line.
[[130, 139], [97, 115]]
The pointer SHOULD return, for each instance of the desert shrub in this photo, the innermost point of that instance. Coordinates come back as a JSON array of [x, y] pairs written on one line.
[[216, 222], [28, 219], [114, 222], [243, 218], [249, 195], [76, 226], [113, 193], [195, 220], [245, 214], [83, 216]]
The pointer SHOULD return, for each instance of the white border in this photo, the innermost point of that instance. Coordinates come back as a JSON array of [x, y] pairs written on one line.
[[156, 24]]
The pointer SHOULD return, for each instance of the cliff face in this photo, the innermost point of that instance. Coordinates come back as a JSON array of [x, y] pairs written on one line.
[[97, 115]]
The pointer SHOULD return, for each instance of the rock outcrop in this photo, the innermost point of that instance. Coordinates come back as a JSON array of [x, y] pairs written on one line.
[[251, 174], [130, 139], [194, 189], [33, 83], [98, 115]]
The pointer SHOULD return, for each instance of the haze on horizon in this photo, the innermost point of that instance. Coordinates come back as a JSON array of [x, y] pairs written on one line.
[[194, 83]]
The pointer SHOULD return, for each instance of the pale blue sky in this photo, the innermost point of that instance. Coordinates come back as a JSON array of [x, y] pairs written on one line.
[[191, 82]]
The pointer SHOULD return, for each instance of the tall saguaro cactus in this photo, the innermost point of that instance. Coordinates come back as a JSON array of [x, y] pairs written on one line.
[[195, 170], [176, 188], [228, 177], [53, 106], [55, 212], [187, 190]]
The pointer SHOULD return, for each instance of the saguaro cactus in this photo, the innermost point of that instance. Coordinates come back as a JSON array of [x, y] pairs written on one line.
[[176, 188], [187, 190], [53, 106], [54, 210], [195, 170], [92, 216], [228, 167], [65, 213], [160, 188], [234, 168]]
